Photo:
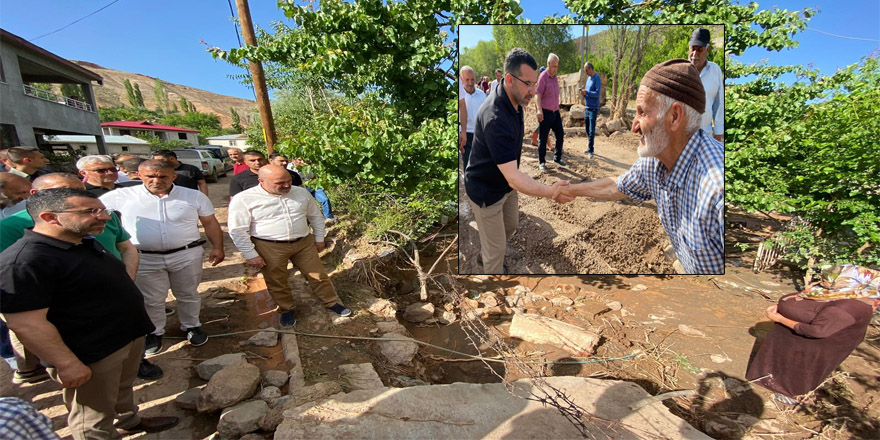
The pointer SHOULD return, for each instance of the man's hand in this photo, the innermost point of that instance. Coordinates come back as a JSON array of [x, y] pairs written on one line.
[[540, 115], [583, 92], [559, 193], [256, 262], [462, 140], [74, 375], [719, 137], [216, 256], [319, 245]]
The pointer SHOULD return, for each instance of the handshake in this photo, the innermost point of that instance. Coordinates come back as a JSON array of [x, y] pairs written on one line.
[[561, 192]]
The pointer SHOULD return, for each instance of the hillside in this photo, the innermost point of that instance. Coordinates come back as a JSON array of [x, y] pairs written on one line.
[[112, 94]]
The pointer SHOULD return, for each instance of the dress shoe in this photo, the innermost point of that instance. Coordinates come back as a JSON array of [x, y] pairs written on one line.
[[148, 371], [151, 424]]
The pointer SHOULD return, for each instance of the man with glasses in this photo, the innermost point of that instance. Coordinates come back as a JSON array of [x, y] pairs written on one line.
[[74, 305], [547, 98], [114, 238], [100, 174], [163, 220], [492, 177]]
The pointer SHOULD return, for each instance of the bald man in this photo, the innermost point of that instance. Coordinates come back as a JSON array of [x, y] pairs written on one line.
[[13, 191], [280, 233]]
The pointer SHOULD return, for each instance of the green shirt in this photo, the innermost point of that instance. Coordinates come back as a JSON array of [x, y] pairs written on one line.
[[12, 228]]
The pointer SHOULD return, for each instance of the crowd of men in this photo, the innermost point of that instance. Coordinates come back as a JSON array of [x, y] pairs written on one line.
[[679, 115], [88, 260]]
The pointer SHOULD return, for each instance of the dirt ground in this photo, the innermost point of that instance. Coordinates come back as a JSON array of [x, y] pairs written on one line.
[[584, 236], [640, 320]]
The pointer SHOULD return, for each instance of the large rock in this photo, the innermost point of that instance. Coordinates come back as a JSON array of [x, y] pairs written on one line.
[[542, 330], [188, 398], [487, 411], [398, 352], [242, 418], [382, 309], [359, 377], [390, 327], [418, 312], [275, 378], [207, 368], [577, 112], [266, 338], [269, 394], [304, 395], [229, 386]]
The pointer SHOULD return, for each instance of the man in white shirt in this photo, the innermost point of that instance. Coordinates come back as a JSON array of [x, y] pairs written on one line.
[[713, 82], [163, 220], [473, 99], [496, 80], [269, 224]]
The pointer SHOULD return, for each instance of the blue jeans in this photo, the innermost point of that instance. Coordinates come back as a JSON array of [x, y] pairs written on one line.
[[322, 198], [590, 116]]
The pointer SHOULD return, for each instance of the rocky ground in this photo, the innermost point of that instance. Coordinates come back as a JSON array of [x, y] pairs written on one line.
[[662, 333]]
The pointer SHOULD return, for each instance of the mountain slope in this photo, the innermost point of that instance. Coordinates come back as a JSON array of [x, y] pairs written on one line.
[[112, 94]]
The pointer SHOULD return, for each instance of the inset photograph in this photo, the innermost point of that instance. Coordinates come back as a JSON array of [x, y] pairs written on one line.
[[591, 149]]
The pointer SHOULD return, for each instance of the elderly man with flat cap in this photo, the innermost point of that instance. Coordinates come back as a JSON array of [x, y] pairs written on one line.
[[713, 82], [680, 166]]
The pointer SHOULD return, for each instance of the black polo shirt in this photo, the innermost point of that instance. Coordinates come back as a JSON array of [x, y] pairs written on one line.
[[188, 176], [91, 300], [96, 190], [247, 179], [498, 137]]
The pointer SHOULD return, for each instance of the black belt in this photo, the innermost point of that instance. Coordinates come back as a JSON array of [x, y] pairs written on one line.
[[171, 251], [279, 241]]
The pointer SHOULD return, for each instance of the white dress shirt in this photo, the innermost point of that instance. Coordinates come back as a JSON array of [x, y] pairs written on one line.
[[473, 101], [713, 83], [160, 223], [256, 213]]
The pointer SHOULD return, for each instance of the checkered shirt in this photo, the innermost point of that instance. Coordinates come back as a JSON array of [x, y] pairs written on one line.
[[20, 421], [690, 201]]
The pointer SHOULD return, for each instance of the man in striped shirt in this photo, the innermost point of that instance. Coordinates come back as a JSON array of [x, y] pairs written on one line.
[[680, 166]]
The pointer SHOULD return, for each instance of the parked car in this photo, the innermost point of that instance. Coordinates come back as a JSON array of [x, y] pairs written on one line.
[[218, 152], [205, 161]]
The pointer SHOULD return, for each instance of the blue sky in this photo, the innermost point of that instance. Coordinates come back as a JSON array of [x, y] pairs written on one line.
[[161, 38], [852, 18]]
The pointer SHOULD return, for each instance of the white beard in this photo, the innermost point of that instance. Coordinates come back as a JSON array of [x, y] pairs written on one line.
[[655, 141]]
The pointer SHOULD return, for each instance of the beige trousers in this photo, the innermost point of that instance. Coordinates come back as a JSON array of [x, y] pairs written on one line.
[[496, 223], [304, 257]]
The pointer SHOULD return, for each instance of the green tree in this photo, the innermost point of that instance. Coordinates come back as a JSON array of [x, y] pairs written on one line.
[[540, 41], [629, 43], [484, 58], [72, 90], [236, 120], [108, 114], [138, 96], [129, 92], [184, 105], [161, 95]]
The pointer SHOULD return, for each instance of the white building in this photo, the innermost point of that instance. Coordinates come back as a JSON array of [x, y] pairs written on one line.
[[163, 132], [115, 144], [230, 140]]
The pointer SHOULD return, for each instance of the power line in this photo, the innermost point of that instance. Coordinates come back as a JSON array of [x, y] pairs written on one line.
[[235, 22], [73, 23], [843, 36]]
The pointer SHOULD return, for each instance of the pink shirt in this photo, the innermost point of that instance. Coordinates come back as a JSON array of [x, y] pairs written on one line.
[[548, 88]]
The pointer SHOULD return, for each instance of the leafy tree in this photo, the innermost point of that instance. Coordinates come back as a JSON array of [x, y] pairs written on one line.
[[540, 41], [484, 58], [161, 95], [236, 120], [174, 108], [109, 114], [138, 96], [184, 105], [629, 43], [129, 92], [71, 90]]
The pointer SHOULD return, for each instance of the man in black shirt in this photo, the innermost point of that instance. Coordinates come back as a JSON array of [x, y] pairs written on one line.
[[72, 303], [100, 173], [492, 178], [188, 176], [248, 178]]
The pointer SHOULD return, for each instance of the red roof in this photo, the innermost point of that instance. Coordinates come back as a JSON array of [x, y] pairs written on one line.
[[145, 125]]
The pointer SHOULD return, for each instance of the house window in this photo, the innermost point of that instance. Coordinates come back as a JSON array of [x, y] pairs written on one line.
[[181, 136], [2, 73], [125, 132], [124, 148], [83, 148], [231, 143], [8, 137]]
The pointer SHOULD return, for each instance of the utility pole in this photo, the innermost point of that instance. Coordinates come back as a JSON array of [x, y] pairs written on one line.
[[259, 78]]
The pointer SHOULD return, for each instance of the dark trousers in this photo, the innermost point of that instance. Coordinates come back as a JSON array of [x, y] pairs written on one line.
[[590, 115], [552, 120], [467, 149]]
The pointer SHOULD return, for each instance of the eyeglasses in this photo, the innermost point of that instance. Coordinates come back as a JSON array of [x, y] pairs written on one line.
[[94, 211], [528, 84], [105, 170]]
